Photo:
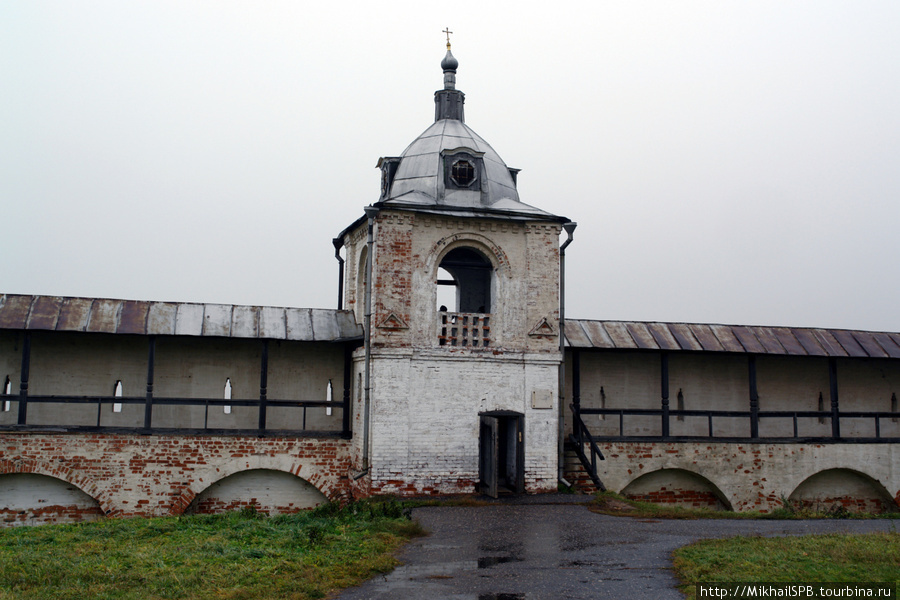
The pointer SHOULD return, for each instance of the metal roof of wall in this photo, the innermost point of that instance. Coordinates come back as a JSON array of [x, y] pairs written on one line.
[[101, 315], [55, 313], [793, 341]]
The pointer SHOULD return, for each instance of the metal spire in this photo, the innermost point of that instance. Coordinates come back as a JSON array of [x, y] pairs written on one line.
[[448, 102]]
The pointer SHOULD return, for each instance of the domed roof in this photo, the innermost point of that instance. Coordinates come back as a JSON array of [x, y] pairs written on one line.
[[450, 167], [420, 170]]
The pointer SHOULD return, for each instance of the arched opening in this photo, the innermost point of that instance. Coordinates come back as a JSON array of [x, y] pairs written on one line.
[[359, 307], [31, 499], [842, 489], [7, 389], [227, 396], [266, 490], [470, 278], [117, 392], [679, 487], [329, 396]]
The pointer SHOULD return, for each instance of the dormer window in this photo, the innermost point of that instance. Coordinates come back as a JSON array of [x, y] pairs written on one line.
[[462, 173], [463, 169], [388, 166]]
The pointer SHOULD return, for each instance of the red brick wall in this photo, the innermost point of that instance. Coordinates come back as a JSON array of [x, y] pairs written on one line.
[[754, 476], [134, 475], [403, 487], [45, 515], [680, 497], [392, 274], [217, 505]]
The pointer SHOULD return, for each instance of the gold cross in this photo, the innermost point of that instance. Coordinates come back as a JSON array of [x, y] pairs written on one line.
[[448, 32]]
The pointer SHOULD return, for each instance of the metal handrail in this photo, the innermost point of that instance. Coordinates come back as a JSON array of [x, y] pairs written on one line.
[[794, 415], [98, 401], [581, 435]]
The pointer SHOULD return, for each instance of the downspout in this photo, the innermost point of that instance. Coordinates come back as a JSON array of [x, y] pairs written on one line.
[[561, 462], [371, 213], [338, 244]]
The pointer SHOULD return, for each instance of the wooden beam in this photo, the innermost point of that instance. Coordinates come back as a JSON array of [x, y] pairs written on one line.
[[263, 383], [754, 397], [23, 382], [151, 360]]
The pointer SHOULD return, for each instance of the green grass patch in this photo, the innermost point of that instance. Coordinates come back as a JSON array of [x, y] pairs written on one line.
[[873, 557], [233, 556]]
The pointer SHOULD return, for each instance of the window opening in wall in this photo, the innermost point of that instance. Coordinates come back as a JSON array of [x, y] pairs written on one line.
[[470, 276], [462, 173], [7, 389], [117, 406], [602, 402], [679, 404], [893, 405], [359, 387], [328, 396], [821, 407], [227, 396]]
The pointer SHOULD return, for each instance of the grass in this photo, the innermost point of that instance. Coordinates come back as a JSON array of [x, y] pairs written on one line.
[[610, 503], [233, 556], [809, 559], [871, 557], [246, 555]]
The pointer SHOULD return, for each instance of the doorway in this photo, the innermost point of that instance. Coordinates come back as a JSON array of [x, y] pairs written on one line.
[[501, 453]]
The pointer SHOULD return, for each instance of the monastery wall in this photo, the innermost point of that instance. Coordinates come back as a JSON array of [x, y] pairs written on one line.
[[709, 381], [50, 477], [742, 475], [91, 364], [755, 476]]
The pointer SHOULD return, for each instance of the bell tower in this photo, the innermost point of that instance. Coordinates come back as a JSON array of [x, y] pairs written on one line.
[[457, 283]]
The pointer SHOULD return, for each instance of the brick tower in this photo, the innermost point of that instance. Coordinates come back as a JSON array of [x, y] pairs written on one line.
[[456, 388]]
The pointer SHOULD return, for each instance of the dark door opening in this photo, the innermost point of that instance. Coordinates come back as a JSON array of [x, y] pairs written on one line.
[[501, 456]]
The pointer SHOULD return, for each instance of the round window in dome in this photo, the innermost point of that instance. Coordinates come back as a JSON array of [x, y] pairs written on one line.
[[462, 173]]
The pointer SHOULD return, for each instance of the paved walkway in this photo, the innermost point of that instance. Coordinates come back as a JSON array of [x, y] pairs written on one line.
[[556, 552]]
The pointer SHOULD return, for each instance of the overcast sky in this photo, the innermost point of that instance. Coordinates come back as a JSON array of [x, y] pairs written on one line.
[[726, 162]]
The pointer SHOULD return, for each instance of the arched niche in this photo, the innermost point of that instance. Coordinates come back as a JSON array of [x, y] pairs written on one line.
[[359, 308], [266, 490], [679, 487], [846, 488], [33, 499]]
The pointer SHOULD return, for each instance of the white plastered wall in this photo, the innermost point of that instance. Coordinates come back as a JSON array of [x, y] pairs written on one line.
[[425, 418]]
